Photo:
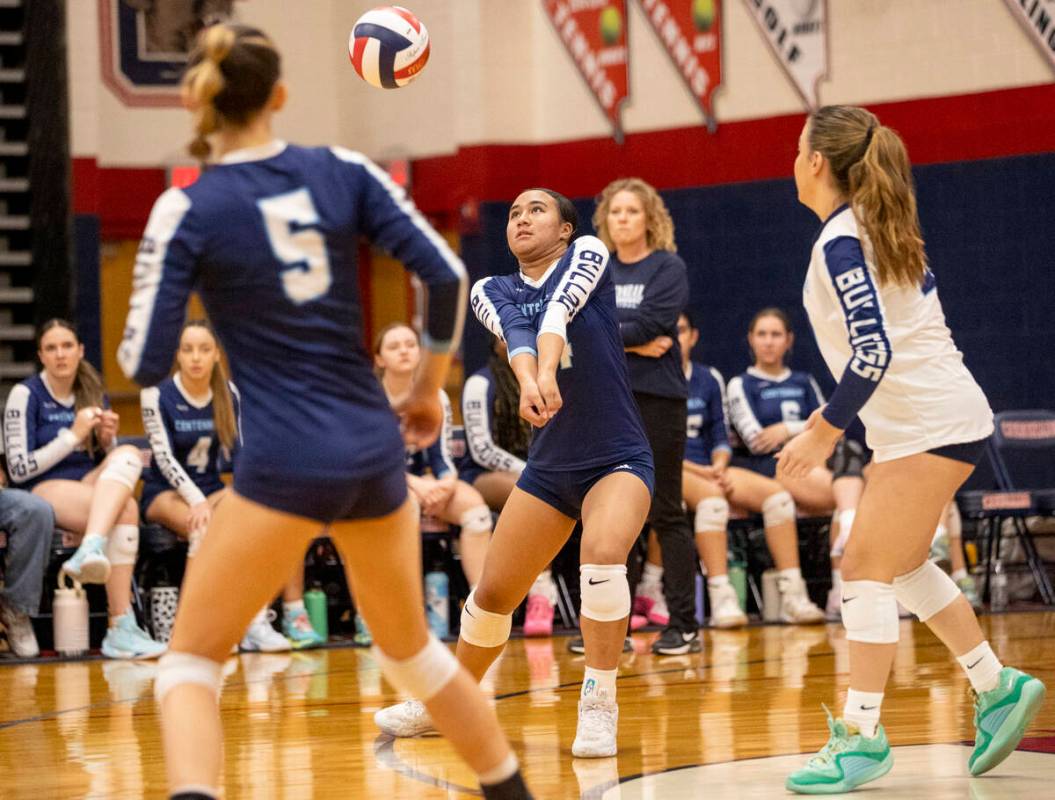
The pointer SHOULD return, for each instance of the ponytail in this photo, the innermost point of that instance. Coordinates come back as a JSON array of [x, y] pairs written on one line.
[[871, 166], [223, 418], [229, 78]]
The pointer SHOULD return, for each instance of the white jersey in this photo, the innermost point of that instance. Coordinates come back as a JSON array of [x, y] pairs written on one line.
[[890, 350]]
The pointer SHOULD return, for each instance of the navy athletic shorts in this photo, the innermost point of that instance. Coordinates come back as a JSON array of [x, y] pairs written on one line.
[[565, 490]]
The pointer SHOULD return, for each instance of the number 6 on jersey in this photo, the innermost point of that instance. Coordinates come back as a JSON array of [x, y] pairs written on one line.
[[292, 221]]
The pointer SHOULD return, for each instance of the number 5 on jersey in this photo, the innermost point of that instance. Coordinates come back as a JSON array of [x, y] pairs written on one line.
[[292, 226]]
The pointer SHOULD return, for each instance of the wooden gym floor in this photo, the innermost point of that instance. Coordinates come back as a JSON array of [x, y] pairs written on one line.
[[727, 723]]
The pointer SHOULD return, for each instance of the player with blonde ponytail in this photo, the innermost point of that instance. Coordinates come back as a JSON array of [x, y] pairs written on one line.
[[873, 304]]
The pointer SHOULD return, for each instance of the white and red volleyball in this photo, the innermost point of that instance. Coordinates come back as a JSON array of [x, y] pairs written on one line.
[[389, 47]]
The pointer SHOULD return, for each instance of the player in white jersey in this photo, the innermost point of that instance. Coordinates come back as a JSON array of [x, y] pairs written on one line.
[[875, 312]]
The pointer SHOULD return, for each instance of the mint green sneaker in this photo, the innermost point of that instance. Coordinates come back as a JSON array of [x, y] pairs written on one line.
[[127, 640], [89, 563], [297, 628], [363, 637], [847, 761], [1001, 717]]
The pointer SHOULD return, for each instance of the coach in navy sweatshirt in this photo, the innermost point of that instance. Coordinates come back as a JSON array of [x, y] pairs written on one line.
[[652, 289]]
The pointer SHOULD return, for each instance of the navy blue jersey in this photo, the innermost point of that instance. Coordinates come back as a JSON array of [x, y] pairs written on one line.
[[37, 437], [187, 452], [482, 451], [598, 423], [437, 457], [269, 239], [758, 400], [706, 430], [650, 295]]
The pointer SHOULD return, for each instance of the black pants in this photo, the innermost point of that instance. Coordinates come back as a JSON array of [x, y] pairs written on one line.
[[664, 420]]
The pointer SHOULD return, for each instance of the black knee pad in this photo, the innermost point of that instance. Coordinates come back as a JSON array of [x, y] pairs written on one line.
[[848, 460]]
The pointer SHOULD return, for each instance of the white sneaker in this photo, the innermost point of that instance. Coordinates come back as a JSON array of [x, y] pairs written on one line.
[[725, 607], [595, 734], [795, 605], [20, 636], [261, 636], [403, 720]]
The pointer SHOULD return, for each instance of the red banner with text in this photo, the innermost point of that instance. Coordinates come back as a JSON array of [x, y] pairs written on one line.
[[691, 33], [594, 34]]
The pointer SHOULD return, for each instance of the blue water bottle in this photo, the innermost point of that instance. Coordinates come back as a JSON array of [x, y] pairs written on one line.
[[437, 602]]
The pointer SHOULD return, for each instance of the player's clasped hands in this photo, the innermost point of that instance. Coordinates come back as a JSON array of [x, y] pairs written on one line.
[[87, 420], [540, 399]]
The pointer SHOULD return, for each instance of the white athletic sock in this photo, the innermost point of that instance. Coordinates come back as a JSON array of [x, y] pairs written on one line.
[[545, 586], [795, 573], [505, 770], [958, 575], [862, 709], [718, 581], [652, 574], [293, 608], [837, 577], [982, 667], [599, 683], [88, 536]]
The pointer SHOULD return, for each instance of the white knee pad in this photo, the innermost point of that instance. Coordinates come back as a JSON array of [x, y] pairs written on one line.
[[176, 668], [604, 591], [122, 545], [846, 524], [712, 515], [926, 590], [476, 520], [484, 628], [123, 466], [422, 675], [777, 509], [870, 612]]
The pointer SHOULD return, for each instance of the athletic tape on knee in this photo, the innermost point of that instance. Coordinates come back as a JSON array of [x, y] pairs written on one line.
[[712, 515], [926, 590], [123, 466], [122, 545], [869, 611], [777, 509], [846, 524], [476, 520], [422, 675], [604, 592], [484, 628], [176, 668]]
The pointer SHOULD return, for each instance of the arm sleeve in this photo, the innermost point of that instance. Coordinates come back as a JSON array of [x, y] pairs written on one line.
[[392, 221], [476, 413], [666, 296], [25, 460], [156, 426], [581, 271], [859, 300], [165, 270], [742, 415], [499, 314], [719, 431], [439, 452]]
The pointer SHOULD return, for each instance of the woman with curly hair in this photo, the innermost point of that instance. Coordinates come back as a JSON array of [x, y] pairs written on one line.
[[652, 288]]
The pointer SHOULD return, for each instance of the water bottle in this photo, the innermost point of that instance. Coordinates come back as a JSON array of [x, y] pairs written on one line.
[[998, 587], [770, 596], [738, 578], [316, 604], [70, 618], [163, 603], [437, 602]]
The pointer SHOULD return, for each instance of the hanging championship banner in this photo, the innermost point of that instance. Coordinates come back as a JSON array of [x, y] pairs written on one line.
[[1038, 18], [797, 32], [594, 34], [690, 31]]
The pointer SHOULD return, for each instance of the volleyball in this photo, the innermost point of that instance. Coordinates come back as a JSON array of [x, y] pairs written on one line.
[[389, 47]]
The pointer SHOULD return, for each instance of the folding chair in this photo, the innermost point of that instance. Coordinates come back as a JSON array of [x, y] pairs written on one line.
[[1022, 455]]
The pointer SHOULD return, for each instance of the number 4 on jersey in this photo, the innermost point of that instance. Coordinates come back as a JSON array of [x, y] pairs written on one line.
[[199, 454]]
